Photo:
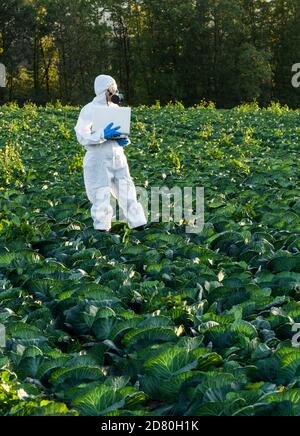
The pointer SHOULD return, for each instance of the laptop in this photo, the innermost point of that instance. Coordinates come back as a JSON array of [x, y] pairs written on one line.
[[120, 116]]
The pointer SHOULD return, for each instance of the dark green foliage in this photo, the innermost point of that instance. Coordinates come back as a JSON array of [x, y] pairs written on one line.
[[224, 51], [160, 321]]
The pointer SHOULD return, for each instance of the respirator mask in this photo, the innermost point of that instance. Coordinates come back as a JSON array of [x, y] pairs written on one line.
[[116, 96]]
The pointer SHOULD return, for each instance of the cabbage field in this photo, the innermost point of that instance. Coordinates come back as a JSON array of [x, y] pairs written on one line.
[[158, 322]]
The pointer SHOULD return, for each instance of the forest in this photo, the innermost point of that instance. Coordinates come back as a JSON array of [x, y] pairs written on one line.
[[226, 51]]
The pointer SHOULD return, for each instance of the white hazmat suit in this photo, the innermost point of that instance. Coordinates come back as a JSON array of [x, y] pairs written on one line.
[[105, 167]]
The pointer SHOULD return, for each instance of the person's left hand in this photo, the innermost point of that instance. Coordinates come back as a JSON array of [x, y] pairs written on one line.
[[123, 142]]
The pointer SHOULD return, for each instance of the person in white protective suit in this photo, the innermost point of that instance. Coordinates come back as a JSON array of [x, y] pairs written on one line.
[[105, 166]]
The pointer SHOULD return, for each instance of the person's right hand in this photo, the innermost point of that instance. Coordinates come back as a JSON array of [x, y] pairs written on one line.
[[111, 132]]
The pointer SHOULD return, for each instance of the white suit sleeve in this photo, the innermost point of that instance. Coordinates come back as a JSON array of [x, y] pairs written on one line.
[[85, 134]]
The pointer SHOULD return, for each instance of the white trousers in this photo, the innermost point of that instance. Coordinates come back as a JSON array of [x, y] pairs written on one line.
[[106, 172]]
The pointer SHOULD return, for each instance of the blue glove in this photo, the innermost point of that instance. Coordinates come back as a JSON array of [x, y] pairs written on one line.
[[110, 131], [123, 141]]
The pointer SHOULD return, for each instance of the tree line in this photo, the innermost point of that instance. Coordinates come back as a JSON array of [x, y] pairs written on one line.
[[225, 51]]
